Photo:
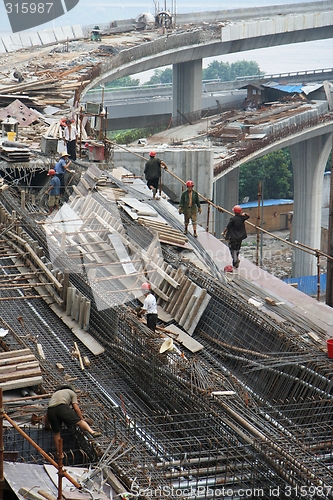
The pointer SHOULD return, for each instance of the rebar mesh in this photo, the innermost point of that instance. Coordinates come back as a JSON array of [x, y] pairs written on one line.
[[250, 410]]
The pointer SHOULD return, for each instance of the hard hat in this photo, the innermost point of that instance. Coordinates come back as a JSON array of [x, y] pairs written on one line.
[[152, 153], [64, 153], [145, 287], [237, 209], [51, 172], [189, 183]]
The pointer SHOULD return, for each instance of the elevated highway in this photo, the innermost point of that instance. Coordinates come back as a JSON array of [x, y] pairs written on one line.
[[239, 31], [132, 107], [226, 32]]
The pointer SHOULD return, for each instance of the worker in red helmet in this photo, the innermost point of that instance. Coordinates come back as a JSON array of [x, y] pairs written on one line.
[[152, 172], [53, 191], [235, 233], [149, 307], [189, 205]]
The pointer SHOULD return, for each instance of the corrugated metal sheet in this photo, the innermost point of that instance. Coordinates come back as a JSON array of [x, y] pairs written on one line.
[[298, 88], [308, 284]]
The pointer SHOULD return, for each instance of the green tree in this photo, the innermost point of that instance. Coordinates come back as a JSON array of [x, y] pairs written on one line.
[[126, 81], [218, 70], [160, 76], [273, 170]]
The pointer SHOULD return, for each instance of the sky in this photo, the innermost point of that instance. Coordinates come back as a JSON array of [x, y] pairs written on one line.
[[296, 57]]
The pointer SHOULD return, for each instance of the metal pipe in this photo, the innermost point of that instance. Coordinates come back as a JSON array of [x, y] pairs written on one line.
[[60, 469], [40, 450], [258, 224], [318, 276], [208, 217]]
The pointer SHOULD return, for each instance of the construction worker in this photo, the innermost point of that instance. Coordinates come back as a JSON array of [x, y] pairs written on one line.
[[149, 307], [61, 167], [235, 233], [152, 172], [70, 138], [189, 206], [53, 191], [63, 408]]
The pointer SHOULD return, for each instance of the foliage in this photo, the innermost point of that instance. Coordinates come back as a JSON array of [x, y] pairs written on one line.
[[160, 76], [274, 171], [132, 135], [126, 81], [218, 70]]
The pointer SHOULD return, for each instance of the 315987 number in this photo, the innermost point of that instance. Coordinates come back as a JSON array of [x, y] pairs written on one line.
[[28, 8]]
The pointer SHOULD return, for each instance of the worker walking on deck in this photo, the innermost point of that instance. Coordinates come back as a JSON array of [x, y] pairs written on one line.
[[235, 233], [149, 307], [152, 172], [189, 206], [53, 191], [63, 408]]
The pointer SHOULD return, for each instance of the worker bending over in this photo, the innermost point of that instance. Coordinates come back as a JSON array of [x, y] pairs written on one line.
[[63, 408]]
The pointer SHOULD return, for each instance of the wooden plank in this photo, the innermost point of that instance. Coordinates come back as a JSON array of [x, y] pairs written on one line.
[[20, 374], [23, 382], [122, 254], [184, 339], [139, 207], [16, 360], [15, 368], [201, 310], [12, 354], [88, 341]]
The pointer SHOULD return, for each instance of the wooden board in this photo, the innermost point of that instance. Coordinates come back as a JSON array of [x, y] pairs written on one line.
[[139, 207], [184, 339], [18, 475], [122, 254]]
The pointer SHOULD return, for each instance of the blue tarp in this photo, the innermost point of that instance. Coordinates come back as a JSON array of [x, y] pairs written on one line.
[[308, 284], [266, 203]]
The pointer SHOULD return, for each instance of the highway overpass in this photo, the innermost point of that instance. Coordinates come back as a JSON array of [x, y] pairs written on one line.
[[138, 107], [215, 33]]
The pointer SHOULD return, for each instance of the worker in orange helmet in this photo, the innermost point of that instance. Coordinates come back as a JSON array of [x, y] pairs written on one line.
[[152, 172], [149, 307], [189, 205], [235, 233]]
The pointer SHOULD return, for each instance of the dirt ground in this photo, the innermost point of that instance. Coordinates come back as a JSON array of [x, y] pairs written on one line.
[[273, 255]]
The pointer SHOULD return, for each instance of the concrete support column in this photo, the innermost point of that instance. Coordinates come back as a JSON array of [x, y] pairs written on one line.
[[226, 196], [309, 159], [186, 89]]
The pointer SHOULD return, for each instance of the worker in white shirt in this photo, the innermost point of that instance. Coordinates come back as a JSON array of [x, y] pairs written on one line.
[[149, 307]]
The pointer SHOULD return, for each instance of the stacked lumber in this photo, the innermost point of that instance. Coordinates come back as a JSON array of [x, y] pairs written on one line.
[[166, 233], [19, 369], [14, 154]]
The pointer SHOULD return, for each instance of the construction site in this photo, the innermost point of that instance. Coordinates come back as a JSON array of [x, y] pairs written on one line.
[[230, 397]]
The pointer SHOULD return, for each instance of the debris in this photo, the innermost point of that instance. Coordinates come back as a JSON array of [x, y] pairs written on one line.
[[270, 301]]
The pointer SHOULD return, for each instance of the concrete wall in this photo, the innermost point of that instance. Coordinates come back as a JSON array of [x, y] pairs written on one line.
[[273, 218], [195, 164]]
